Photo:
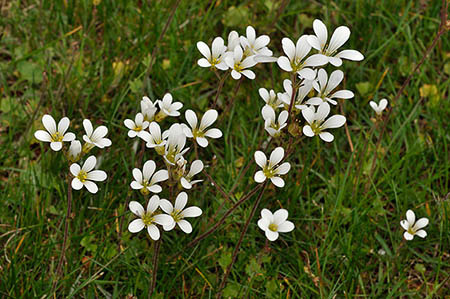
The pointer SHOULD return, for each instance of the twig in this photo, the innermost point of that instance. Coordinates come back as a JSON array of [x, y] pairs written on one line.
[[443, 27], [227, 197], [238, 245], [155, 266]]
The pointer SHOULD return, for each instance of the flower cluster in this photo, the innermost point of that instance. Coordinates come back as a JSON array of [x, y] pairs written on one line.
[[171, 146], [83, 176]]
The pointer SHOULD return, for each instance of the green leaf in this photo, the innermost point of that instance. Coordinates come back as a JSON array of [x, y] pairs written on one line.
[[30, 71], [364, 88]]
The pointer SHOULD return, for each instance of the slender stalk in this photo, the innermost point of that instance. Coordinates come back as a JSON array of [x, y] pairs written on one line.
[[238, 245], [66, 226], [155, 266], [220, 222], [443, 27], [235, 91], [291, 104]]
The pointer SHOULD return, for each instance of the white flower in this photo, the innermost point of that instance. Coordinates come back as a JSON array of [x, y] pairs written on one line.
[[95, 137], [270, 98], [176, 140], [255, 45], [324, 87], [154, 139], [215, 57], [238, 64], [273, 224], [83, 176], [56, 136], [168, 108], [148, 108], [295, 54], [270, 169], [199, 133], [339, 37], [137, 127], [74, 150], [186, 180], [147, 180], [378, 108], [412, 227], [302, 92], [233, 41], [318, 125], [148, 218], [270, 124], [178, 213]]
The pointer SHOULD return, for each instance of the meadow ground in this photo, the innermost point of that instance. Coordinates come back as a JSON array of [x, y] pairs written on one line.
[[89, 59]]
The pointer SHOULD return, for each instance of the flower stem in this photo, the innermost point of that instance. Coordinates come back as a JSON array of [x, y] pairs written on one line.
[[219, 90], [291, 104], [235, 91], [238, 245], [66, 226], [155, 266]]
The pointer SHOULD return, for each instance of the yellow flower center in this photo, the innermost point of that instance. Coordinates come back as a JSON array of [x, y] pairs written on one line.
[[315, 127], [138, 128], [269, 172], [57, 137], [238, 67], [82, 176], [148, 218], [411, 230], [273, 227], [214, 61], [176, 215], [296, 65], [197, 133]]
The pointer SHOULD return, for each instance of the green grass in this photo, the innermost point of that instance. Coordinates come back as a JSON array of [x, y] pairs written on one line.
[[340, 227]]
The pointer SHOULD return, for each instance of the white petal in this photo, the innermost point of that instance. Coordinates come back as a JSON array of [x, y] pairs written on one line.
[[335, 121], [350, 55], [213, 133], [284, 63], [313, 41], [97, 175], [202, 141], [259, 176], [408, 236], [218, 46], [136, 186], [204, 49], [155, 188], [69, 137], [75, 169], [77, 184], [271, 235], [163, 219], [42, 136], [404, 224], [137, 175], [63, 125], [235, 75], [322, 111], [421, 233], [342, 94], [277, 181], [136, 208], [316, 60], [153, 204], [286, 227], [160, 176], [276, 156], [280, 216], [249, 74], [336, 61], [321, 32], [49, 123], [129, 124], [308, 115], [88, 127], [153, 232], [267, 214], [307, 73], [203, 62], [283, 168], [308, 131], [260, 159], [288, 48], [181, 201], [56, 146], [326, 136], [192, 212], [263, 224], [335, 78], [91, 187], [148, 169], [340, 36], [411, 217], [136, 225], [170, 226], [208, 118], [191, 118], [302, 47], [421, 223], [383, 104], [196, 167], [89, 164], [185, 226]]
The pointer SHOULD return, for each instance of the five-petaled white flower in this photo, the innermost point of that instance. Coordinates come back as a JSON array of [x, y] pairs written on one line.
[[324, 87], [318, 125], [74, 150], [412, 227], [339, 37], [295, 54], [55, 135], [270, 169], [95, 137], [272, 126], [215, 57], [176, 140], [186, 179], [137, 126], [178, 212], [270, 98], [84, 176], [239, 64], [199, 133], [148, 218], [378, 108], [273, 224], [255, 45], [167, 107], [148, 108], [147, 179]]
